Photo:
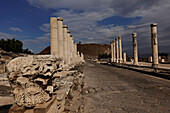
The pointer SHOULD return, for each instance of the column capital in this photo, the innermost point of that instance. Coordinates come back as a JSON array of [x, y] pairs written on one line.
[[65, 26], [53, 18], [119, 37], [59, 19], [71, 35], [134, 34], [68, 31], [153, 25]]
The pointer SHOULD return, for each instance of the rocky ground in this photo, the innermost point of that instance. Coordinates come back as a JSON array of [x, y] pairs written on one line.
[[115, 90], [6, 99]]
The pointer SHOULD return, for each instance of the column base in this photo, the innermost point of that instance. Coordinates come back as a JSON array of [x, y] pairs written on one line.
[[155, 65], [136, 63], [120, 61]]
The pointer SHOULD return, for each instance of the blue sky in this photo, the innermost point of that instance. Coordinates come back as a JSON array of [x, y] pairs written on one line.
[[90, 21]]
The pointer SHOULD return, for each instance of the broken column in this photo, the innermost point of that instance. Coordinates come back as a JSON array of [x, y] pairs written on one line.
[[120, 49], [53, 36], [65, 42], [154, 41], [117, 51], [135, 49], [124, 57], [60, 36]]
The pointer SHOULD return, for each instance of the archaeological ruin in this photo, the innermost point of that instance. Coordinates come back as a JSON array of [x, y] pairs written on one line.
[[43, 83]]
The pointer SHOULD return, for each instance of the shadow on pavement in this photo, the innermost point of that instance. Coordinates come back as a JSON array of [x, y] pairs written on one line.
[[141, 71]]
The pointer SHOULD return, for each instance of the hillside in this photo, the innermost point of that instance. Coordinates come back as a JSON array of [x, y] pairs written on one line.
[[89, 50]]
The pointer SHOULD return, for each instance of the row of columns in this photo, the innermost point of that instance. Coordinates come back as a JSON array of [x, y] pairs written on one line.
[[116, 50], [62, 42], [116, 54]]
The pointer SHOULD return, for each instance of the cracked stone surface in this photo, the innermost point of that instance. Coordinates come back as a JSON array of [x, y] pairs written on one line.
[[115, 90]]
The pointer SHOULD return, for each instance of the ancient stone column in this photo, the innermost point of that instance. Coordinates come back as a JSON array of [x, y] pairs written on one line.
[[120, 49], [71, 48], [117, 51], [111, 51], [124, 57], [60, 36], [82, 57], [114, 52], [75, 46], [75, 52], [53, 36], [135, 49], [68, 47], [154, 40], [65, 43]]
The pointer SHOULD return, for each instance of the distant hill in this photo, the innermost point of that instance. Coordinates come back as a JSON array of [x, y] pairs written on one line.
[[46, 51], [89, 50], [93, 50]]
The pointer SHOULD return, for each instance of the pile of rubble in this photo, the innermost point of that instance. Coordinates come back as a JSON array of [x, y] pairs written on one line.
[[42, 80]]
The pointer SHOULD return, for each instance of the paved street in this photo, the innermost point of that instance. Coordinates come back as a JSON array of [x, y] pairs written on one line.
[[116, 90]]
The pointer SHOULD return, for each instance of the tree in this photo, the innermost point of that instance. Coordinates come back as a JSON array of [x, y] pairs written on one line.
[[13, 45]]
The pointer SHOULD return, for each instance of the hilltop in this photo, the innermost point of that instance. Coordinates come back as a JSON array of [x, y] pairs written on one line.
[[89, 50]]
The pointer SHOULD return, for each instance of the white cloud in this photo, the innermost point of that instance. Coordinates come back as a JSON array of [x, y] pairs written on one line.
[[38, 40], [15, 29], [5, 36], [37, 44], [45, 27], [82, 17]]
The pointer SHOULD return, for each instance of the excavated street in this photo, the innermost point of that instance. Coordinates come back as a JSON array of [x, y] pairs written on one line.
[[116, 90]]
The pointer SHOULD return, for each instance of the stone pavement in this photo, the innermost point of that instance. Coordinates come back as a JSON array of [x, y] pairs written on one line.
[[165, 66], [116, 90]]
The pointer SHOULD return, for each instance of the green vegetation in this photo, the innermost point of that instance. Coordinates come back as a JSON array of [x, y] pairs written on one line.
[[12, 45]]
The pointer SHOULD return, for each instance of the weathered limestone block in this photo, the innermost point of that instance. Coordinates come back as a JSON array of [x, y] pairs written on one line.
[[31, 78]]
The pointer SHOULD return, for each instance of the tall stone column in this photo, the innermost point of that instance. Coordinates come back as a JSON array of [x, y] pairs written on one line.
[[135, 49], [117, 51], [71, 48], [154, 40], [75, 44], [65, 43], [68, 47], [111, 51], [53, 36], [114, 52], [75, 52], [124, 57], [60, 36], [120, 49]]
